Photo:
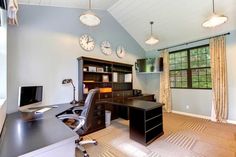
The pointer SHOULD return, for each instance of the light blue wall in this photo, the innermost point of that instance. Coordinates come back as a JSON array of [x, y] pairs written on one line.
[[43, 50]]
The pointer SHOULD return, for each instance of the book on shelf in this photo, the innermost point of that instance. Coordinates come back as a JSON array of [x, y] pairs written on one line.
[[128, 77], [115, 77]]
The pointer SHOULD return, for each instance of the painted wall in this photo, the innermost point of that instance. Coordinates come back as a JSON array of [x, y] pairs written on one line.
[[44, 48], [199, 101], [3, 72], [231, 64]]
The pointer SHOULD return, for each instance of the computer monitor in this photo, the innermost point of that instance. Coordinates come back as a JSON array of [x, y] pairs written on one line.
[[29, 95]]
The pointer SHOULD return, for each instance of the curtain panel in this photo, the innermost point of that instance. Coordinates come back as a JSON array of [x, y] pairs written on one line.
[[165, 91], [219, 79]]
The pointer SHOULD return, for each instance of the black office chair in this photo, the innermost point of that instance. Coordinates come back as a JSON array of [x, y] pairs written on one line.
[[83, 120]]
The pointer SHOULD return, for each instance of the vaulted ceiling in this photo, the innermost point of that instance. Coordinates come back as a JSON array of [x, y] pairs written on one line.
[[175, 22], [83, 4]]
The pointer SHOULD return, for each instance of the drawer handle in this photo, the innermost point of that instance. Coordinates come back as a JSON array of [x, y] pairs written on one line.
[[106, 96]]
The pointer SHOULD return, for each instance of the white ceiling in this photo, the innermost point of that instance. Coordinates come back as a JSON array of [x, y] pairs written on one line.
[[175, 22], [83, 4]]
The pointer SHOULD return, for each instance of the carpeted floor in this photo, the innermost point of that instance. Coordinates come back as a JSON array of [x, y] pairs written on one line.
[[183, 137]]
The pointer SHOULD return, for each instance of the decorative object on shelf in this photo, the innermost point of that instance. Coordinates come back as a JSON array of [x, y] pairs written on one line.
[[128, 77], [151, 40], [106, 69], [67, 81], [149, 65], [115, 77], [89, 18], [92, 69], [106, 47], [120, 51], [105, 78], [85, 69], [106, 90], [215, 19], [87, 42], [100, 69]]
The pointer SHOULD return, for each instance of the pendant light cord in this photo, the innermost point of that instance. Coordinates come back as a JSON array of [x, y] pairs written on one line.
[[151, 26], [89, 4], [213, 3]]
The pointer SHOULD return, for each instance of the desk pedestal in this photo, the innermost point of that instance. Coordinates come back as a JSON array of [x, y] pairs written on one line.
[[145, 125]]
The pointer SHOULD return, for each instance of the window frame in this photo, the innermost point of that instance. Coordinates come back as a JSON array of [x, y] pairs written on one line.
[[189, 69]]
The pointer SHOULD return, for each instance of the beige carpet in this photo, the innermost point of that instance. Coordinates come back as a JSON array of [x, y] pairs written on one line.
[[183, 137]]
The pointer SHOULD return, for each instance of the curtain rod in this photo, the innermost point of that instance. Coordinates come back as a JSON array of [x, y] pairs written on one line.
[[193, 41]]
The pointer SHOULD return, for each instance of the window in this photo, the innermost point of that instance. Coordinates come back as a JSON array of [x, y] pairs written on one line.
[[190, 68]]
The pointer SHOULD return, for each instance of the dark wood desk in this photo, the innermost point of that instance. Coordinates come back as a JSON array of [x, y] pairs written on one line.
[[145, 119]]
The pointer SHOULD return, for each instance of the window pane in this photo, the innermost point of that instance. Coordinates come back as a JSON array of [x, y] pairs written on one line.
[[178, 60], [201, 78], [200, 57]]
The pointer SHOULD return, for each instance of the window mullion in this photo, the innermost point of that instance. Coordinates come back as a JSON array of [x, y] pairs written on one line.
[[189, 73]]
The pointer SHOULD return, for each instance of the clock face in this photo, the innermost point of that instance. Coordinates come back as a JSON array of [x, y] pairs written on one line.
[[87, 42], [120, 51], [106, 47]]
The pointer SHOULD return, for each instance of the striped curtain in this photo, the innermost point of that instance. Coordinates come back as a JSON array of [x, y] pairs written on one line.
[[165, 91], [219, 79]]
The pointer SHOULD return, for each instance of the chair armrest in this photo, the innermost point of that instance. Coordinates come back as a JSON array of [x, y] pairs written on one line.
[[80, 119], [78, 108]]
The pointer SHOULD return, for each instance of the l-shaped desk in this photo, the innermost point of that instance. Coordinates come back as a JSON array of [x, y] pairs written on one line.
[[48, 136]]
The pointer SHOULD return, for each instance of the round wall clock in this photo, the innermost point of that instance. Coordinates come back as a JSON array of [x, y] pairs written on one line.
[[120, 51], [87, 42], [106, 48]]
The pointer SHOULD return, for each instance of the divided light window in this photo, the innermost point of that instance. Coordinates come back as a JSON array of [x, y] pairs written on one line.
[[190, 68]]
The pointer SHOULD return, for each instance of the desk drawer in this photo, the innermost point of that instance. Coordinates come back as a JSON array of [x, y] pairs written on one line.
[[105, 95], [117, 94], [154, 112], [128, 93]]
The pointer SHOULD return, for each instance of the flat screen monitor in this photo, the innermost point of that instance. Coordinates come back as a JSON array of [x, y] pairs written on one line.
[[30, 95]]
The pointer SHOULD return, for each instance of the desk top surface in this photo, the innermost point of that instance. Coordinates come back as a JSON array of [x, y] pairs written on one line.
[[138, 104], [20, 136]]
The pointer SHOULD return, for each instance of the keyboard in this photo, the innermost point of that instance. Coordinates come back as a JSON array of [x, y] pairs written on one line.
[[43, 110]]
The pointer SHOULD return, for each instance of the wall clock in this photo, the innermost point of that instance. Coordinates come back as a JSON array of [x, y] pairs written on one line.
[[87, 42], [106, 48], [120, 51]]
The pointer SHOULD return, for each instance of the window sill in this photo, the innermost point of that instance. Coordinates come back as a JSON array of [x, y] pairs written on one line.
[[2, 101]]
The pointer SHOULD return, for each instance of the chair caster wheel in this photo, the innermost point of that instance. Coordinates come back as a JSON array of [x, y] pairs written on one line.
[[96, 143], [86, 155]]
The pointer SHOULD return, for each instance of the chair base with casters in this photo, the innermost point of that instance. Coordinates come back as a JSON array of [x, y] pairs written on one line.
[[80, 122], [80, 143]]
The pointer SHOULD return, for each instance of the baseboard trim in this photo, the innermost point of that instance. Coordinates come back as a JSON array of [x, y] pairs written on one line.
[[231, 121], [200, 116], [191, 115]]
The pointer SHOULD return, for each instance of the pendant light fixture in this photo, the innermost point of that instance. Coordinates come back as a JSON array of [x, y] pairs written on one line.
[[89, 18], [151, 40], [214, 20]]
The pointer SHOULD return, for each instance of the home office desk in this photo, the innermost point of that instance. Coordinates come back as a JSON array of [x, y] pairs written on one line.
[[45, 137], [145, 119]]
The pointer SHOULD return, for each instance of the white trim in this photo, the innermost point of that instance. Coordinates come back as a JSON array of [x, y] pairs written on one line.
[[191, 114], [200, 116], [231, 121]]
